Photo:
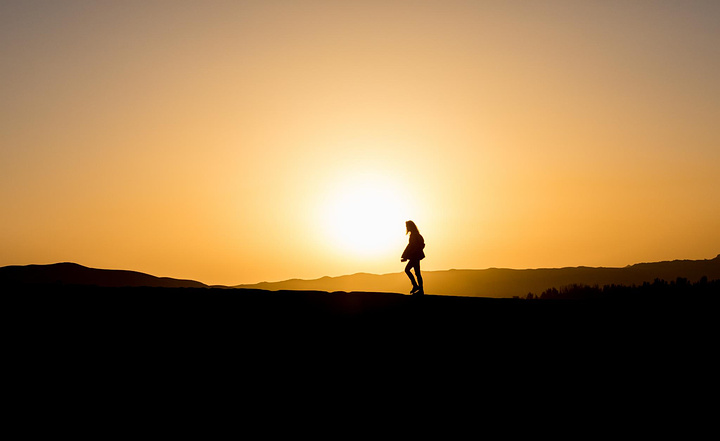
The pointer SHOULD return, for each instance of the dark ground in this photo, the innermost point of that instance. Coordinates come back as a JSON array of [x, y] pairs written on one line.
[[231, 321], [263, 349]]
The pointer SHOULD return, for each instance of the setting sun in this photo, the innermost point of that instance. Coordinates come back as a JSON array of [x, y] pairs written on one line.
[[365, 216]]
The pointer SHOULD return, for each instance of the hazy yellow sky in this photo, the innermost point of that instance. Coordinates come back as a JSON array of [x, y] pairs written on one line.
[[240, 141]]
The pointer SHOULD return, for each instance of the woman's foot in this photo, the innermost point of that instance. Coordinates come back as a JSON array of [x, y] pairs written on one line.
[[415, 289], [418, 292]]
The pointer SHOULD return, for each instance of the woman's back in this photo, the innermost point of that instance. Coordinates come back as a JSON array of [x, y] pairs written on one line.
[[414, 249]]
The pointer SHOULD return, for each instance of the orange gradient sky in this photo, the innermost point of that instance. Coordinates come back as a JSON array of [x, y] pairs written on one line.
[[240, 141]]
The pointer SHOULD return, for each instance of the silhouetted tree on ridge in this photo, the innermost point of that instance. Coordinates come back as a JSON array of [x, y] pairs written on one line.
[[679, 289]]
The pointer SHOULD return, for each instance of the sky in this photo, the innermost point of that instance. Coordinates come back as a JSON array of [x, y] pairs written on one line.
[[243, 141]]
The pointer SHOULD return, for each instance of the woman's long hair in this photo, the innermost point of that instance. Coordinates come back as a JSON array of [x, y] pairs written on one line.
[[411, 227]]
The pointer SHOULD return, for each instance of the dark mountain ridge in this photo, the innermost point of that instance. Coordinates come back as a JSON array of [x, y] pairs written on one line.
[[491, 282], [67, 273], [502, 282]]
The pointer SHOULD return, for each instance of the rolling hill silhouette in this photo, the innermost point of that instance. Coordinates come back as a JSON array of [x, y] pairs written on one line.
[[67, 273], [492, 282], [501, 283]]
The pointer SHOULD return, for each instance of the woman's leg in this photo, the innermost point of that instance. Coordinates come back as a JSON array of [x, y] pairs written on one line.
[[416, 265], [409, 274]]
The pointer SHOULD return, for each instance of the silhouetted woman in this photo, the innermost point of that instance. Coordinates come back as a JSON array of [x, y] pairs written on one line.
[[414, 254]]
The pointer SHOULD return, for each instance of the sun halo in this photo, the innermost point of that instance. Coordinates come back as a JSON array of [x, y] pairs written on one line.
[[366, 218]]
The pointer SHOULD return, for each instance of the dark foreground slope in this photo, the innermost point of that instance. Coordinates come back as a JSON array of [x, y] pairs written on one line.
[[232, 316], [129, 349]]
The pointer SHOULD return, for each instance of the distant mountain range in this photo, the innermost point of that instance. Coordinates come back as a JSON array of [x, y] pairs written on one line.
[[492, 282], [499, 282]]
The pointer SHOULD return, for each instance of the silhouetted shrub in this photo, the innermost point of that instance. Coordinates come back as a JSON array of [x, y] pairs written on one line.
[[681, 288]]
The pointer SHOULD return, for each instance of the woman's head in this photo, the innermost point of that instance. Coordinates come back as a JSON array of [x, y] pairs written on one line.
[[411, 227]]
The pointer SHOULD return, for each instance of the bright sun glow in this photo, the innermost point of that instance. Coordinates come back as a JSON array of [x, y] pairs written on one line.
[[366, 217]]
